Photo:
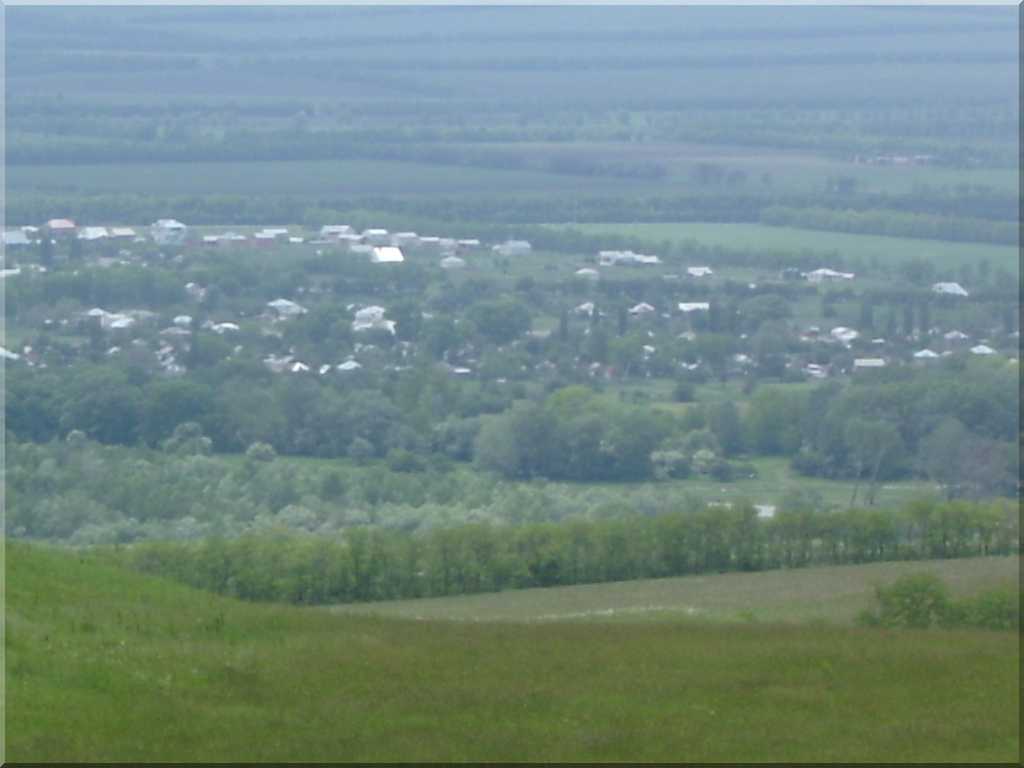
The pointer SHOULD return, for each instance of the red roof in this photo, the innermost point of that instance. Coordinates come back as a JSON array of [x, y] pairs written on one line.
[[60, 224]]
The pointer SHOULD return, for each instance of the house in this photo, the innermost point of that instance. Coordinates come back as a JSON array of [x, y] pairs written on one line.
[[513, 248], [285, 308], [625, 258], [694, 306], [468, 244], [349, 365], [699, 271], [182, 321], [825, 275], [926, 354], [168, 232], [405, 239], [430, 242], [816, 371], [588, 274], [955, 335], [862, 363], [372, 319], [387, 254], [949, 289], [982, 349], [331, 231], [643, 308], [844, 335], [93, 233], [16, 238], [376, 237], [61, 227], [122, 233], [765, 511], [587, 308], [452, 262], [278, 364]]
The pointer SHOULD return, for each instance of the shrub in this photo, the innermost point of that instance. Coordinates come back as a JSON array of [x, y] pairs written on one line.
[[916, 601]]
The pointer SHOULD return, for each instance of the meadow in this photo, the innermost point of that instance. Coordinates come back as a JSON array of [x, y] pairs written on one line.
[[946, 256], [832, 595], [106, 666]]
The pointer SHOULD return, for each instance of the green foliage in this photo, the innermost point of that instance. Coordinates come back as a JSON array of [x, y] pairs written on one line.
[[922, 600]]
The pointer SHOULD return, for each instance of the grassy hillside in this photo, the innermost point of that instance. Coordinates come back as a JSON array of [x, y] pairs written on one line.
[[104, 665], [828, 594]]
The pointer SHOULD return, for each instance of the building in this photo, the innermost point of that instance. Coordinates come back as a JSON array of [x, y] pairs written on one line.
[[387, 254], [950, 289], [376, 237], [61, 227], [452, 262], [825, 275], [588, 274], [694, 306], [168, 232], [285, 308], [643, 308], [331, 231], [699, 271], [864, 363], [513, 248], [982, 349]]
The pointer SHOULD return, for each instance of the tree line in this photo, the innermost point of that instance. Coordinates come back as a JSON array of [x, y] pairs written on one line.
[[373, 564]]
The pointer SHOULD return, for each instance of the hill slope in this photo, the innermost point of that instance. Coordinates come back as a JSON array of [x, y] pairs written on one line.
[[105, 665], [834, 594]]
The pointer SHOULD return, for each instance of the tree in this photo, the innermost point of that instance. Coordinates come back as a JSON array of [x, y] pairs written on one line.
[[724, 422], [75, 249], [870, 445], [46, 250]]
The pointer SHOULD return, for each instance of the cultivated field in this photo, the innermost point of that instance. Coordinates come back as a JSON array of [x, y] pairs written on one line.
[[946, 256], [828, 594]]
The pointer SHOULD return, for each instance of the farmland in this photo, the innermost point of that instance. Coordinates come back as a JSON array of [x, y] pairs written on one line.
[[109, 666], [832, 595], [945, 255]]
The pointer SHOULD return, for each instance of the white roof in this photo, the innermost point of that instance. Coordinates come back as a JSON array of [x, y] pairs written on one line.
[[587, 272], [452, 262], [15, 237], [694, 306], [387, 254], [843, 333], [817, 274], [183, 320], [168, 224], [955, 336], [92, 233], [586, 308], [950, 289], [335, 229], [699, 271], [869, 362], [286, 307], [349, 365], [8, 355], [372, 312], [925, 354], [982, 349], [60, 224], [122, 232], [642, 308]]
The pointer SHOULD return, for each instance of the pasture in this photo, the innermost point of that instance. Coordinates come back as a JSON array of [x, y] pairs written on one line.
[[108, 666], [832, 595]]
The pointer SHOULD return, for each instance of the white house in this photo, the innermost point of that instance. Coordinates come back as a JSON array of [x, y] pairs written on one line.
[[694, 306], [824, 275], [376, 237], [93, 233], [387, 254], [122, 232], [843, 334], [950, 289], [372, 319], [168, 232], [955, 335], [868, 362], [452, 262], [982, 349], [405, 239], [699, 271], [513, 248], [286, 308], [330, 231], [643, 308], [16, 238], [926, 354], [586, 308], [588, 274], [349, 365]]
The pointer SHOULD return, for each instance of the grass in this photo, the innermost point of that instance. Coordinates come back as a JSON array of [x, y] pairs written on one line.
[[103, 665], [947, 256], [833, 594]]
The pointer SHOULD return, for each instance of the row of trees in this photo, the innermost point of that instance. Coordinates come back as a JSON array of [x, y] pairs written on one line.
[[372, 564]]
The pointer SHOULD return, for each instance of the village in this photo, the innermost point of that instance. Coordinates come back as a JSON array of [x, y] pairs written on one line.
[[816, 350]]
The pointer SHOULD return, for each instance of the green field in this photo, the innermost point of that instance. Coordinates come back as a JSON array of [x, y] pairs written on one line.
[[947, 256], [825, 594], [103, 665]]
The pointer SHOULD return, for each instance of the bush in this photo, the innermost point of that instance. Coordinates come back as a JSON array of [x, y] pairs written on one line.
[[684, 392], [915, 601]]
